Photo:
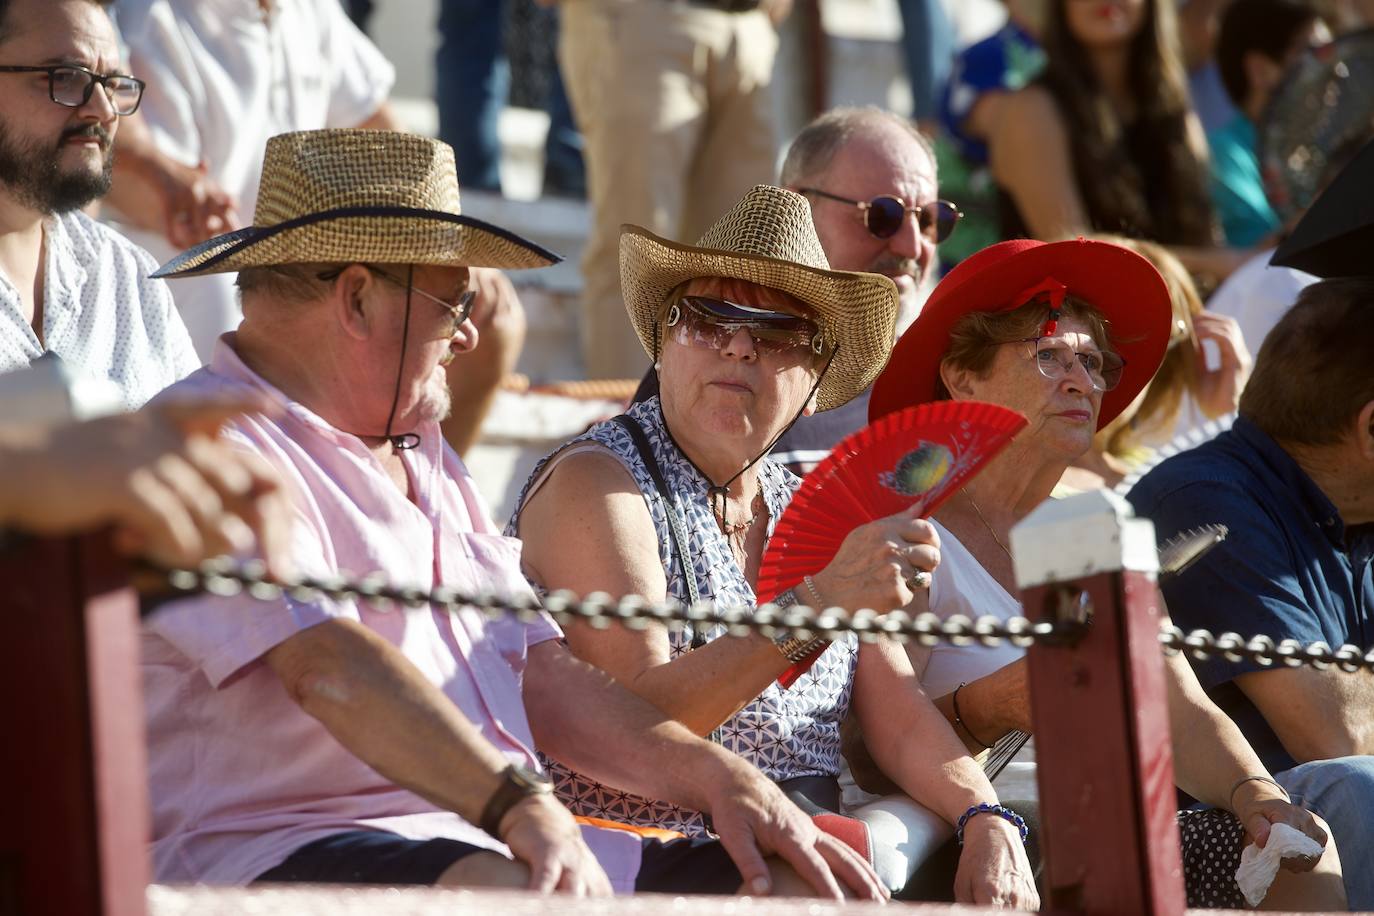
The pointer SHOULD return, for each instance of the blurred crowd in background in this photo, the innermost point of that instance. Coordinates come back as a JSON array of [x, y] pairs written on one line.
[[1202, 126]]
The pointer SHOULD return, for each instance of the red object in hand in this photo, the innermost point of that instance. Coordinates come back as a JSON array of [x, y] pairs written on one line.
[[918, 456]]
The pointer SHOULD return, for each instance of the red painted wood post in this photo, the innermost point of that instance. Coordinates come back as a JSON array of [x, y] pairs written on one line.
[[75, 813], [1104, 757]]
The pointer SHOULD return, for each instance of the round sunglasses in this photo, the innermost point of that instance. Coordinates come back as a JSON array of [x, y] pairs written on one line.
[[884, 214]]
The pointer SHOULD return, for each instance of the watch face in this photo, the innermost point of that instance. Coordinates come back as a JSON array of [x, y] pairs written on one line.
[[530, 780]]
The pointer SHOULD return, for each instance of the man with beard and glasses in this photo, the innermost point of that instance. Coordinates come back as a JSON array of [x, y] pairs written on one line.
[[71, 286], [870, 177]]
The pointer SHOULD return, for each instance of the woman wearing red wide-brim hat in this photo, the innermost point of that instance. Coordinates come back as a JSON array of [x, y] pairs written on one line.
[[1068, 334]]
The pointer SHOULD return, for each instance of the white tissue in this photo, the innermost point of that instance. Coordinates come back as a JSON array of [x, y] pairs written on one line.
[[1259, 866]]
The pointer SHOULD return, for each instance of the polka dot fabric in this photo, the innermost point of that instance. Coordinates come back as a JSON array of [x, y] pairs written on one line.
[[1212, 841], [102, 313]]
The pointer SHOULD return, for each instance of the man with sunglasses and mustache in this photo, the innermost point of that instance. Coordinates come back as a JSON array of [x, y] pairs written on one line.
[[71, 286], [870, 177]]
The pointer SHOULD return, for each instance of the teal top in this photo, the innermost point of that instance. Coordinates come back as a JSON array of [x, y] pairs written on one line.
[[1237, 188]]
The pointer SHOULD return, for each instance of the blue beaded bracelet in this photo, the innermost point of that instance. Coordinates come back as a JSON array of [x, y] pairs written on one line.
[[1006, 814]]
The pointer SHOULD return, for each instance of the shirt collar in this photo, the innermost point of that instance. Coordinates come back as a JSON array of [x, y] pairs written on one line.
[[225, 361], [1320, 509], [63, 269]]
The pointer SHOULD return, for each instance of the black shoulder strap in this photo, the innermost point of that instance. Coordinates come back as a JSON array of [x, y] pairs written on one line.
[[677, 528]]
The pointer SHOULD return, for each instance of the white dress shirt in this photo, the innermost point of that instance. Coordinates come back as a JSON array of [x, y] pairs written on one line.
[[222, 79], [102, 313], [1257, 296]]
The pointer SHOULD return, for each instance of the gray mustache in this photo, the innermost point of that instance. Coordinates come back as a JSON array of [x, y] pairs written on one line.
[[890, 265]]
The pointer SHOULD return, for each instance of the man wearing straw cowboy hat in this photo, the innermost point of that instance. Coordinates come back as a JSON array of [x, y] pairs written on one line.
[[326, 740]]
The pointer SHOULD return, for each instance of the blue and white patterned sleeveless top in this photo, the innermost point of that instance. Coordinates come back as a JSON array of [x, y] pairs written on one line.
[[785, 733]]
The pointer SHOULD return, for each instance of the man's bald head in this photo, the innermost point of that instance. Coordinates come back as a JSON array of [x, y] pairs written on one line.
[[814, 148]]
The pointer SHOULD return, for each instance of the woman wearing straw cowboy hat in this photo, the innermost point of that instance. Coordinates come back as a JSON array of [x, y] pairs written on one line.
[[397, 748], [1068, 334], [750, 329]]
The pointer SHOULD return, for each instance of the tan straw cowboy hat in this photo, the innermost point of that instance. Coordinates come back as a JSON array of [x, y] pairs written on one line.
[[370, 196], [768, 238]]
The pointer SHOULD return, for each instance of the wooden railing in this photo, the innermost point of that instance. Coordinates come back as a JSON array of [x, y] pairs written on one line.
[[75, 828]]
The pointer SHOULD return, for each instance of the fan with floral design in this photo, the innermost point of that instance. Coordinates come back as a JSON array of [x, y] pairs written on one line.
[[918, 456]]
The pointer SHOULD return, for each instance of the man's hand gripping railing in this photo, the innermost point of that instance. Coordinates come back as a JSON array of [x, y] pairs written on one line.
[[225, 577]]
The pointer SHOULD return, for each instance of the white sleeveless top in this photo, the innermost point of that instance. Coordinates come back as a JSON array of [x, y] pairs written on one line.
[[960, 585]]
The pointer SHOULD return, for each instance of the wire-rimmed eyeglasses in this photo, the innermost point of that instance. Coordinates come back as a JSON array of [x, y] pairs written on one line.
[[459, 310], [71, 86], [1055, 359]]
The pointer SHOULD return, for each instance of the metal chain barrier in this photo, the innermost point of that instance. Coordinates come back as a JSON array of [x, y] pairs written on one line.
[[226, 578]]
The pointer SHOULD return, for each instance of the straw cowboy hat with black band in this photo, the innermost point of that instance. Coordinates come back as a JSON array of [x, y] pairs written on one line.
[[768, 238], [358, 196]]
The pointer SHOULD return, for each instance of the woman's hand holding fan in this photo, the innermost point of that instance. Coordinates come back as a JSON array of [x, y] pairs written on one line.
[[892, 472], [874, 563]]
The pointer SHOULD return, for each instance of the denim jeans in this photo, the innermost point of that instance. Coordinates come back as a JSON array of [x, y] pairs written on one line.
[[472, 80], [1341, 791], [928, 52]]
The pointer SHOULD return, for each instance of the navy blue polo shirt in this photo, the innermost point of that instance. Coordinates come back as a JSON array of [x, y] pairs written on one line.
[[1289, 568]]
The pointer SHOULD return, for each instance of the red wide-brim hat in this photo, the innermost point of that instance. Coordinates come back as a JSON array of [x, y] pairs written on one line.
[[1122, 285]]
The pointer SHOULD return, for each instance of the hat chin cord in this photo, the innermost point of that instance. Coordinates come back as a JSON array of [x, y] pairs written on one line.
[[402, 441], [722, 491]]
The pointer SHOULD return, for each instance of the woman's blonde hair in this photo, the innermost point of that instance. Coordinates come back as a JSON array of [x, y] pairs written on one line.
[[1158, 405]]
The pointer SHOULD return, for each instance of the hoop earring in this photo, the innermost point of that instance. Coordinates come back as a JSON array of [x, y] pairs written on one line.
[[674, 315]]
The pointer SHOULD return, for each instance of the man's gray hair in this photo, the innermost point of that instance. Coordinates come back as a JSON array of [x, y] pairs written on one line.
[[818, 142], [291, 284]]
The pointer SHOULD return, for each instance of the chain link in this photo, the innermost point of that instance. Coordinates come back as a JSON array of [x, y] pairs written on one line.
[[224, 577], [1202, 645]]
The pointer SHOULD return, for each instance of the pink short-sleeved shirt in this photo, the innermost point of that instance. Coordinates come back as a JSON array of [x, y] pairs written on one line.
[[240, 775]]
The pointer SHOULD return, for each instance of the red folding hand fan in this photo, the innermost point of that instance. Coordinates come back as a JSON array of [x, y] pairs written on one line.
[[915, 457]]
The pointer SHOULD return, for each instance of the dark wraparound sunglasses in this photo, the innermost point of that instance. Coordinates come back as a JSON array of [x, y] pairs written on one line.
[[705, 321], [884, 214]]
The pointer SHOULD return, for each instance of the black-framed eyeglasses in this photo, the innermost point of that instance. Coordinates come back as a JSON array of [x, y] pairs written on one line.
[[884, 214], [71, 86], [1055, 359], [459, 310]]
